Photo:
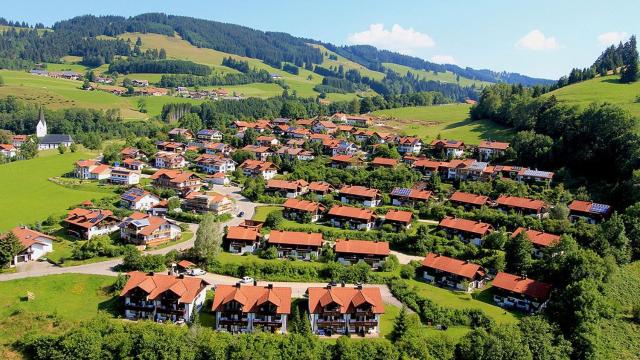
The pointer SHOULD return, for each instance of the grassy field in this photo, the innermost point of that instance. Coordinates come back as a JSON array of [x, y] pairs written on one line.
[[27, 195], [601, 89], [346, 63], [449, 121], [446, 77]]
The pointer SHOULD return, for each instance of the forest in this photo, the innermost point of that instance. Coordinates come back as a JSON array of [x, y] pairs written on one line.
[[159, 67]]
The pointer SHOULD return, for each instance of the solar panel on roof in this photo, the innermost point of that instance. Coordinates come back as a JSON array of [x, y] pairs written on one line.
[[401, 192], [599, 208]]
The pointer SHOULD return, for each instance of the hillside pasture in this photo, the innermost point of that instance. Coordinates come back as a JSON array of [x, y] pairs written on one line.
[[450, 121], [445, 77]]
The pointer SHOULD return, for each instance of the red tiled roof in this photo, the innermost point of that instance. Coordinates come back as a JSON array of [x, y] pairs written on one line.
[[7, 147], [303, 205], [427, 163], [176, 176], [469, 226], [29, 237], [468, 198], [257, 165], [319, 186], [101, 169], [496, 145], [514, 283], [384, 161], [351, 212], [242, 233], [408, 140], [187, 288], [447, 144], [286, 184], [362, 191], [343, 158], [538, 237], [186, 264], [452, 266], [86, 163], [581, 206], [88, 218], [154, 222], [252, 297], [362, 247], [520, 202], [347, 298], [295, 238], [399, 216]]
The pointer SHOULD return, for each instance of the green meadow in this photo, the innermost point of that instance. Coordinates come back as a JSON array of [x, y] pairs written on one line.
[[445, 77]]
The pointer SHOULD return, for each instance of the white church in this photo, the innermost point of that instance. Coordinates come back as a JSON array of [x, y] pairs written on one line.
[[50, 141]]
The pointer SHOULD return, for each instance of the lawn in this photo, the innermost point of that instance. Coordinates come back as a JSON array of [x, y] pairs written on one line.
[[26, 194], [450, 121], [262, 212]]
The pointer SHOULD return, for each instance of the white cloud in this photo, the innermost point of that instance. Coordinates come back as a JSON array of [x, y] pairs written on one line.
[[612, 37], [536, 40], [443, 59], [397, 39]]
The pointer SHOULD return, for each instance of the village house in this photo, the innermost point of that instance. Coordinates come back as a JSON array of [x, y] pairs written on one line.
[[138, 199], [182, 182], [409, 145], [353, 120], [266, 169], [213, 164], [521, 205], [534, 176], [213, 202], [262, 152], [267, 140], [468, 230], [296, 244], [350, 252], [297, 132], [87, 223], [169, 160], [33, 245], [351, 218], [324, 126], [160, 209], [133, 164], [468, 200], [345, 162], [452, 148], [209, 135], [91, 170], [452, 273], [8, 151], [218, 148], [246, 308], [354, 194], [299, 210], [162, 298], [337, 310], [242, 239], [131, 153], [409, 197], [588, 211], [539, 239], [455, 169], [321, 138], [295, 143], [139, 83], [285, 188], [218, 179], [148, 230], [18, 140], [320, 188], [519, 292], [488, 149], [427, 167], [295, 154], [122, 176], [381, 162], [398, 219], [344, 147], [305, 122]]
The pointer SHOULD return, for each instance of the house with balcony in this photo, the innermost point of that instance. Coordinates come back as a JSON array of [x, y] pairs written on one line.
[[266, 169], [8, 151], [162, 298], [182, 182], [169, 160], [468, 230], [524, 206], [588, 211], [452, 273], [138, 199], [345, 162], [352, 218], [148, 230], [213, 202], [360, 195], [247, 308], [209, 135], [87, 223], [520, 293], [350, 252], [399, 220], [262, 153], [409, 145], [286, 188], [320, 188], [534, 176], [123, 176], [409, 197], [488, 149], [180, 133], [345, 310], [242, 239], [299, 210], [213, 164], [296, 244]]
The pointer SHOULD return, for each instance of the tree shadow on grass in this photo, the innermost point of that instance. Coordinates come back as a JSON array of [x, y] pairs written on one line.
[[112, 306]]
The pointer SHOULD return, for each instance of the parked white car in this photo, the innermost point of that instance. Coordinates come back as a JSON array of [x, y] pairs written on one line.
[[246, 280], [196, 272]]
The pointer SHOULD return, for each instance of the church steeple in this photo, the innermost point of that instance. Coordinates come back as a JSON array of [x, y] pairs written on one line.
[[41, 128]]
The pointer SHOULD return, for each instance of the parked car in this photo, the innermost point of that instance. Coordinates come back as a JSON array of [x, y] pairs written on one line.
[[196, 272], [241, 214], [246, 280]]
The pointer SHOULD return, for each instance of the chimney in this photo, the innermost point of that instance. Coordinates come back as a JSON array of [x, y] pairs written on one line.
[[181, 276], [359, 286], [328, 287], [237, 285], [150, 273], [343, 284], [255, 282], [270, 286]]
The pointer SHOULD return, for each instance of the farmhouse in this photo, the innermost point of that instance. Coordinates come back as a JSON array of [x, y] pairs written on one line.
[[324, 126], [468, 200], [452, 273], [133, 164], [33, 245], [213, 164], [289, 189], [162, 297], [350, 252], [266, 169], [351, 218], [242, 239], [300, 210], [138, 199], [589, 211], [540, 240], [85, 223], [409, 145], [217, 148], [467, 230], [148, 230], [409, 197], [245, 308], [354, 194], [398, 219], [519, 292], [170, 146], [521, 205], [488, 149], [182, 182], [91, 170], [295, 244], [267, 140], [345, 310]]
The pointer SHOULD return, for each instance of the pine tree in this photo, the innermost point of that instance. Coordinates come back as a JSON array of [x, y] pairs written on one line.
[[629, 72], [9, 247], [400, 325]]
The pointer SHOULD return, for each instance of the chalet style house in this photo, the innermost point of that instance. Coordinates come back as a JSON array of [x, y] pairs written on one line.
[[488, 150], [320, 188], [138, 199], [242, 239], [350, 252], [296, 244], [123, 176], [210, 201], [522, 205], [265, 169], [409, 197], [33, 245], [354, 194], [169, 160], [539, 239], [289, 189], [409, 145], [299, 210], [381, 162], [209, 135], [162, 297], [148, 230], [468, 200], [519, 292], [452, 148], [345, 310], [245, 308], [468, 230], [590, 212], [452, 273], [213, 164], [85, 223], [398, 219], [351, 218], [182, 182]]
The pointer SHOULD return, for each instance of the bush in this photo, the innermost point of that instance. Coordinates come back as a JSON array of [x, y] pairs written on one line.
[[274, 220], [269, 253]]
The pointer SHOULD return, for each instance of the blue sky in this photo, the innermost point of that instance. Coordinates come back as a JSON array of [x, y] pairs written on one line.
[[542, 38]]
